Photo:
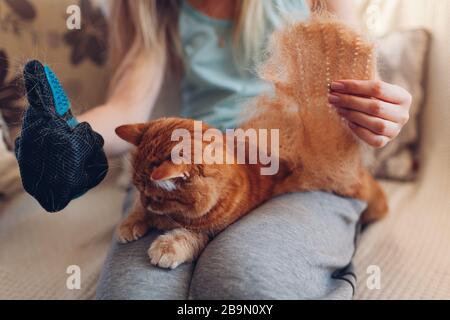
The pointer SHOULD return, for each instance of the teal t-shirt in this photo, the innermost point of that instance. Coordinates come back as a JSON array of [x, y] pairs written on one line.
[[214, 85]]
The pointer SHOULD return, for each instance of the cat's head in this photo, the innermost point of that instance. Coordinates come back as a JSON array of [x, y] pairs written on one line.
[[190, 190]]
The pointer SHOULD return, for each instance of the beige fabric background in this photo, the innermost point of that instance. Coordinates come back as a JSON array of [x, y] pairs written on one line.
[[412, 246]]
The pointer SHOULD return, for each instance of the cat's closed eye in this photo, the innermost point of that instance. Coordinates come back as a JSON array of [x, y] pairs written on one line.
[[154, 165]]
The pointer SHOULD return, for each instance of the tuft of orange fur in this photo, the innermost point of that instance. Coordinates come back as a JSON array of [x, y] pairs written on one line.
[[317, 149]]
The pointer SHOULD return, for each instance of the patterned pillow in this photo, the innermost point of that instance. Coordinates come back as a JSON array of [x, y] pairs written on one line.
[[37, 29], [403, 61]]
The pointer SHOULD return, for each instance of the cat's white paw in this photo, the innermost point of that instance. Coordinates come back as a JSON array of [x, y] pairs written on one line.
[[166, 252], [129, 231]]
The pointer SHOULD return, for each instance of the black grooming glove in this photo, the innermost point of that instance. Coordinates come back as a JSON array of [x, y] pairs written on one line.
[[59, 158]]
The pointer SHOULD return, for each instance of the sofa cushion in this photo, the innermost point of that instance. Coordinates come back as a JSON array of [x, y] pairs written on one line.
[[403, 61]]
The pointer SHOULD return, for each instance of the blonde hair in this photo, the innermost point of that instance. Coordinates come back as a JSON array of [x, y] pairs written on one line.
[[142, 30]]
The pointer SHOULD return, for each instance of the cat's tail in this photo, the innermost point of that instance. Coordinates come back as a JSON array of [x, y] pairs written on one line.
[[371, 192]]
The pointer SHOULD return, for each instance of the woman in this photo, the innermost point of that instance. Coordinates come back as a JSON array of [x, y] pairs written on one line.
[[293, 247]]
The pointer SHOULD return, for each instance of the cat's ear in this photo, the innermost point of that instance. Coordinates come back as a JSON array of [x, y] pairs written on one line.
[[132, 133], [168, 170]]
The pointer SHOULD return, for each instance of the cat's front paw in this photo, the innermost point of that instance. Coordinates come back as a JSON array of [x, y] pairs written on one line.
[[129, 231], [166, 252]]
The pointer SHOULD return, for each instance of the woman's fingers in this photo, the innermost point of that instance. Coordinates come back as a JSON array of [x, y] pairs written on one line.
[[374, 107], [376, 125], [373, 88], [376, 110], [376, 141]]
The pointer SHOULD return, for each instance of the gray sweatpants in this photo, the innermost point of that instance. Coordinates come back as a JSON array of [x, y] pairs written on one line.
[[296, 246]]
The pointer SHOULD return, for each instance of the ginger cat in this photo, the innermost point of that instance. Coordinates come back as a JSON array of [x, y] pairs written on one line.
[[194, 202]]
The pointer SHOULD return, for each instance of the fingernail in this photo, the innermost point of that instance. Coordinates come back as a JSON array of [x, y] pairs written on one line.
[[333, 99], [337, 86]]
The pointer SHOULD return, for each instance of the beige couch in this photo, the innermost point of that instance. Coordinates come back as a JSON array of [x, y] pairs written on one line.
[[410, 248]]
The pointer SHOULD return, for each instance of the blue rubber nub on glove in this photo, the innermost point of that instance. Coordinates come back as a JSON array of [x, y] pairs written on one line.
[[59, 158], [62, 103]]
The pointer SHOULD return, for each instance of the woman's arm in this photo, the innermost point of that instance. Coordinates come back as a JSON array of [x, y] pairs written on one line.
[[376, 110], [131, 101]]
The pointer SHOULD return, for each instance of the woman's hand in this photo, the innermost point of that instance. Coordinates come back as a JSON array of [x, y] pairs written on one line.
[[376, 110]]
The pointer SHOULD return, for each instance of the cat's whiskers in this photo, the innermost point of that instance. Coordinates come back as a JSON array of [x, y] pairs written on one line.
[[167, 185]]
